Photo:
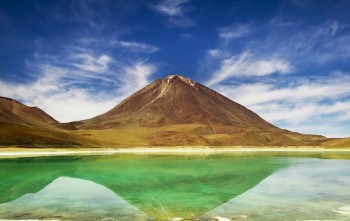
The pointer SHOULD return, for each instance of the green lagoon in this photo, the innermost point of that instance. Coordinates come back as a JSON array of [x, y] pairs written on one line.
[[226, 186]]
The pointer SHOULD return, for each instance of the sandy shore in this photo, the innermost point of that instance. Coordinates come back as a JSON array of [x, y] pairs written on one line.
[[9, 152]]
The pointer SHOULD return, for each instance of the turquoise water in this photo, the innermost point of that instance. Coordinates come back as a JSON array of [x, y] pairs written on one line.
[[236, 186]]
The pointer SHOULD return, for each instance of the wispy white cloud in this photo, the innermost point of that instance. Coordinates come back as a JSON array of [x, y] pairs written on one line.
[[176, 11], [308, 103], [303, 105], [128, 46], [55, 93], [245, 65], [216, 53], [297, 89], [171, 7], [78, 83], [317, 44], [136, 76], [88, 62], [136, 46], [234, 31], [330, 28]]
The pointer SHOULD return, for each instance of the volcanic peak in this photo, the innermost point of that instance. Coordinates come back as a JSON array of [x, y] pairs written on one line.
[[182, 78], [174, 110]]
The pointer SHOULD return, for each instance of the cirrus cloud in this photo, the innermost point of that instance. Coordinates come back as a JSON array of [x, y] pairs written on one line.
[[318, 105], [78, 83], [175, 10], [136, 46], [245, 65]]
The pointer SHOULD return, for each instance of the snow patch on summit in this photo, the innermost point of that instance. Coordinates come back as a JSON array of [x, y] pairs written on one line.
[[189, 81], [160, 94], [170, 77]]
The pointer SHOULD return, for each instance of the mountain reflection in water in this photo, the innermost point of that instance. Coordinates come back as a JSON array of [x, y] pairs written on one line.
[[72, 198], [160, 187]]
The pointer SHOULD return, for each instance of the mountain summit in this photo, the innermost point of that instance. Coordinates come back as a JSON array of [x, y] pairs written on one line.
[[179, 111], [178, 100]]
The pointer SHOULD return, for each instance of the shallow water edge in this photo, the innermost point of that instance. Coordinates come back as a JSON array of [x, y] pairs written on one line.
[[10, 152]]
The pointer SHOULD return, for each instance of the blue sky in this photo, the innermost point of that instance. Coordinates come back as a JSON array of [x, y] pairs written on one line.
[[288, 61]]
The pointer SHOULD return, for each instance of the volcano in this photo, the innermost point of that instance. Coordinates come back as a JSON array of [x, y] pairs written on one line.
[[179, 111], [173, 111]]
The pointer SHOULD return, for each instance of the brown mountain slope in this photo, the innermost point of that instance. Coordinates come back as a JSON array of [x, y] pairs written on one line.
[[178, 111], [14, 112], [341, 142], [178, 100], [23, 125]]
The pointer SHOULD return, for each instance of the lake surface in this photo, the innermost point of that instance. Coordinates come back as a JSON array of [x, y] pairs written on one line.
[[234, 186]]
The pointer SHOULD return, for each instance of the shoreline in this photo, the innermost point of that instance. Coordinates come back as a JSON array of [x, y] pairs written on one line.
[[14, 152]]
